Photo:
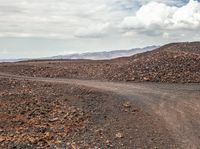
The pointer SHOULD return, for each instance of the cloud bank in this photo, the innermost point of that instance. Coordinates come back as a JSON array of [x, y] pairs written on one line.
[[59, 19], [159, 18], [94, 18]]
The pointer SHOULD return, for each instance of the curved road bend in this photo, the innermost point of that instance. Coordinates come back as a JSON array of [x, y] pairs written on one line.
[[177, 104]]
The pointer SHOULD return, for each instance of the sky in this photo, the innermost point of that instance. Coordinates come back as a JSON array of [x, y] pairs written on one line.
[[39, 28]]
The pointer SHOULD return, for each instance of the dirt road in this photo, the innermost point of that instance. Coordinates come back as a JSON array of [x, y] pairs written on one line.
[[177, 104]]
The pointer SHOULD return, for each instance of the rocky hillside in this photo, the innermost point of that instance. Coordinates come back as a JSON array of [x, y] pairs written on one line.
[[172, 63]]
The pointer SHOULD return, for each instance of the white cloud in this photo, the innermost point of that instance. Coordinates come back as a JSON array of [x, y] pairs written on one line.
[[69, 19], [66, 52], [59, 19], [165, 35], [156, 17], [187, 16], [93, 31], [152, 14]]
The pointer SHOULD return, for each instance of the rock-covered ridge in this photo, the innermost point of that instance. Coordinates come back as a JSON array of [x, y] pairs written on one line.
[[172, 63]]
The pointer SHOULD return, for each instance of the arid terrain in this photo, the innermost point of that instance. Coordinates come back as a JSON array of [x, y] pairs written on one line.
[[172, 63], [149, 100]]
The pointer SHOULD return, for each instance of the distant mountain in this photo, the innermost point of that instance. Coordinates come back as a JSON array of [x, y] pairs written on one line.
[[13, 60], [93, 55], [105, 54]]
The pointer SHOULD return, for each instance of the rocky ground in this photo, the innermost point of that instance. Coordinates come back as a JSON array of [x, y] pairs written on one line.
[[50, 115], [36, 114], [172, 63]]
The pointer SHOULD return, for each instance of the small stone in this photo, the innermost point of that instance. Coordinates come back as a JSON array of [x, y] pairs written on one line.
[[131, 79], [99, 131], [32, 140], [135, 110], [58, 142], [146, 78], [53, 120], [108, 143], [126, 105], [119, 135], [2, 139]]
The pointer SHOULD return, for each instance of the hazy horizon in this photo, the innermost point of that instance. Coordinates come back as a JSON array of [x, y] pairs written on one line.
[[80, 53], [41, 28]]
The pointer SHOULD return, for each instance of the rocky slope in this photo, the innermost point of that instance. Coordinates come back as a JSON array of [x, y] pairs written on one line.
[[172, 63]]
